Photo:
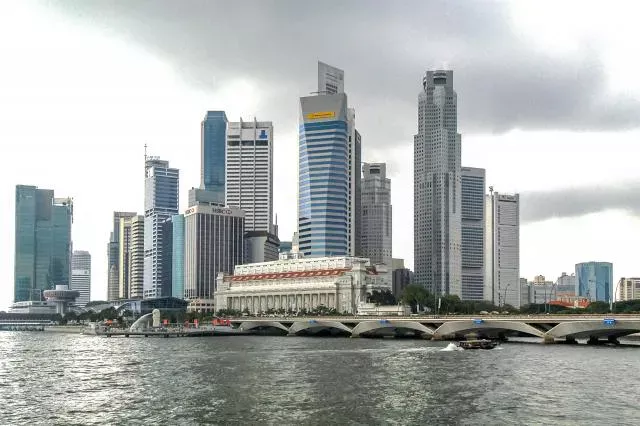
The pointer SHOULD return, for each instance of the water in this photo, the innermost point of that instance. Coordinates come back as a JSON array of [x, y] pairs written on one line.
[[49, 378]]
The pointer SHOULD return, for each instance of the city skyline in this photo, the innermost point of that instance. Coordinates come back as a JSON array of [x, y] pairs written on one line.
[[165, 120]]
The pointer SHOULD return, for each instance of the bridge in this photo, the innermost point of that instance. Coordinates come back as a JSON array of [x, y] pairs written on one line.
[[594, 329]]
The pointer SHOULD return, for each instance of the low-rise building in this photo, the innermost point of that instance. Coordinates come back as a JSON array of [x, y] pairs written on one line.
[[339, 282]]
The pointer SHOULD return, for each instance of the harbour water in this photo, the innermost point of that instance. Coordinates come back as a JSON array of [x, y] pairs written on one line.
[[54, 378]]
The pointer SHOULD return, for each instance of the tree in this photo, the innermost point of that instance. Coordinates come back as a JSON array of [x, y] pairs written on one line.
[[71, 316], [384, 297], [414, 295]]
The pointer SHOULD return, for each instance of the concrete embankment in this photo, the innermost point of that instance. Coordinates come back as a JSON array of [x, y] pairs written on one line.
[[77, 329]]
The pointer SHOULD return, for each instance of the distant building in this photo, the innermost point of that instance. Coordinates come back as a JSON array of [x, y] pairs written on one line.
[[81, 276], [213, 142], [167, 258], [376, 220], [136, 258], [525, 297], [124, 257], [199, 196], [473, 233], [260, 246], [566, 285], [113, 255], [502, 253], [42, 242], [401, 277], [177, 277], [628, 289], [285, 246], [595, 281]]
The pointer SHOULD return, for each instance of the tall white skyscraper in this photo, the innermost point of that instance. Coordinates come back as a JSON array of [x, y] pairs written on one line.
[[160, 203], [249, 172], [330, 79], [437, 187], [473, 224], [376, 236], [81, 276], [502, 261], [136, 258]]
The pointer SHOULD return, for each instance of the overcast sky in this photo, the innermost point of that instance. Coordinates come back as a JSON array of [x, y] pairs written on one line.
[[548, 100]]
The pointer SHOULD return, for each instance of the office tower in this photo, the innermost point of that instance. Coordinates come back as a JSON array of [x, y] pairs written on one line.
[[42, 242], [212, 155], [81, 276], [594, 281], [330, 79], [160, 203], [437, 187], [502, 249], [249, 172], [136, 258], [177, 276], [376, 237], [124, 253], [628, 289], [401, 277], [473, 223], [566, 285], [260, 246], [354, 207], [113, 256], [213, 243], [167, 258]]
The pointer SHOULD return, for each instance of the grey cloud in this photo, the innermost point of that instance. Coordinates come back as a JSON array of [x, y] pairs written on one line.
[[574, 202], [384, 48]]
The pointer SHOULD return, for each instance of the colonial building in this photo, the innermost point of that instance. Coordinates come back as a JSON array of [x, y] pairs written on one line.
[[303, 283]]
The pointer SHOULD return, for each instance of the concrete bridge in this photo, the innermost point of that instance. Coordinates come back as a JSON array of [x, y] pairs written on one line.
[[594, 328]]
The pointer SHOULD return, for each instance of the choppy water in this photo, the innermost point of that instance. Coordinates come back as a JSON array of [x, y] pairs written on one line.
[[48, 378]]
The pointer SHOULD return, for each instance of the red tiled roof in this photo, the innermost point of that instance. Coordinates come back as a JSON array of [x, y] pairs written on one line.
[[288, 275]]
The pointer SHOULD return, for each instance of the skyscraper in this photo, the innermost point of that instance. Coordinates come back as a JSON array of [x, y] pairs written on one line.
[[81, 276], [160, 203], [212, 156], [113, 256], [473, 224], [354, 207], [124, 253], [437, 187], [42, 242], [376, 238], [330, 79], [594, 280], [177, 258], [249, 172], [136, 258], [502, 249]]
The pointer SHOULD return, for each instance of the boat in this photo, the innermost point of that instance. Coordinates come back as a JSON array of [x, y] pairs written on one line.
[[477, 344]]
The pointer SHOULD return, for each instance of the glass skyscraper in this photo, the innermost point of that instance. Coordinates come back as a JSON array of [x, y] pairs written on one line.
[[376, 236], [177, 276], [42, 242], [594, 280], [473, 228], [213, 142]]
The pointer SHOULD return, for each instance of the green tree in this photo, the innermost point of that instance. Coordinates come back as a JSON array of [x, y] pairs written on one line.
[[414, 295], [384, 297]]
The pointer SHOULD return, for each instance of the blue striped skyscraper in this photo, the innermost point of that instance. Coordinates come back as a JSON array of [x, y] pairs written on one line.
[[213, 142]]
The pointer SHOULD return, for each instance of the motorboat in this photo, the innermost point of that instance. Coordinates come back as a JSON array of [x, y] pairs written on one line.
[[477, 344]]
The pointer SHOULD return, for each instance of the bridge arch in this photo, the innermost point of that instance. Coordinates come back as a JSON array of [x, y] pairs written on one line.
[[365, 327], [252, 325], [470, 326], [595, 328], [315, 326]]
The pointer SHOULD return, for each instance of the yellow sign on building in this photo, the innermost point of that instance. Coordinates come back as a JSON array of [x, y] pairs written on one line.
[[320, 115]]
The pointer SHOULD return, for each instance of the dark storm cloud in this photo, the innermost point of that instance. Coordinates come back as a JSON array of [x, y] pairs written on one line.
[[574, 202], [384, 48]]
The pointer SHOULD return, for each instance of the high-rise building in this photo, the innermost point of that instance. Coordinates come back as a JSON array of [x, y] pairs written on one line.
[[628, 289], [502, 249], [124, 253], [167, 258], [213, 244], [330, 79], [212, 156], [81, 276], [177, 276], [473, 223], [354, 202], [594, 281], [376, 236], [260, 246], [136, 258], [113, 256], [42, 242], [401, 277], [160, 203], [437, 187], [249, 172], [566, 285]]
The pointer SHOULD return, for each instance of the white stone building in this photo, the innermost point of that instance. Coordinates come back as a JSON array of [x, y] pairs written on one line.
[[295, 284]]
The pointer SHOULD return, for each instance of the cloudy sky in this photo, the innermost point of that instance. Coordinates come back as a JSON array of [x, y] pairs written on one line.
[[548, 100]]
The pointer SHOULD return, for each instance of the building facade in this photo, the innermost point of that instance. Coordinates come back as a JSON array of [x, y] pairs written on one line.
[[213, 244], [212, 154], [177, 277], [628, 289], [502, 253], [376, 237], [437, 187], [113, 256], [566, 285], [81, 276], [341, 283], [43, 245], [249, 172], [354, 198], [594, 281], [124, 257], [401, 277], [136, 258], [260, 246], [473, 224], [160, 203]]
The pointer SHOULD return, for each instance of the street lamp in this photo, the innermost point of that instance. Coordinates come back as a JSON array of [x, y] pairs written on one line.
[[612, 305]]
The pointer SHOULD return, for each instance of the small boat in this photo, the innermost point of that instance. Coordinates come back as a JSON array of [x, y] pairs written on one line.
[[477, 344]]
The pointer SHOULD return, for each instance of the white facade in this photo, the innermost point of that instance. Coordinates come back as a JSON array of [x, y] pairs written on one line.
[[354, 208], [341, 283], [330, 79], [628, 289], [136, 258], [249, 172], [502, 261], [81, 276], [437, 187]]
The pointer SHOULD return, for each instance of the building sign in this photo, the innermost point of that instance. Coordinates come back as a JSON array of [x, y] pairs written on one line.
[[320, 115], [189, 211], [218, 210]]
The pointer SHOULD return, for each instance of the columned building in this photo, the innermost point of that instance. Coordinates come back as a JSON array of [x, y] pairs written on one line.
[[437, 187], [160, 203], [81, 276], [339, 282], [502, 253], [473, 224], [212, 150], [43, 245], [376, 219]]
